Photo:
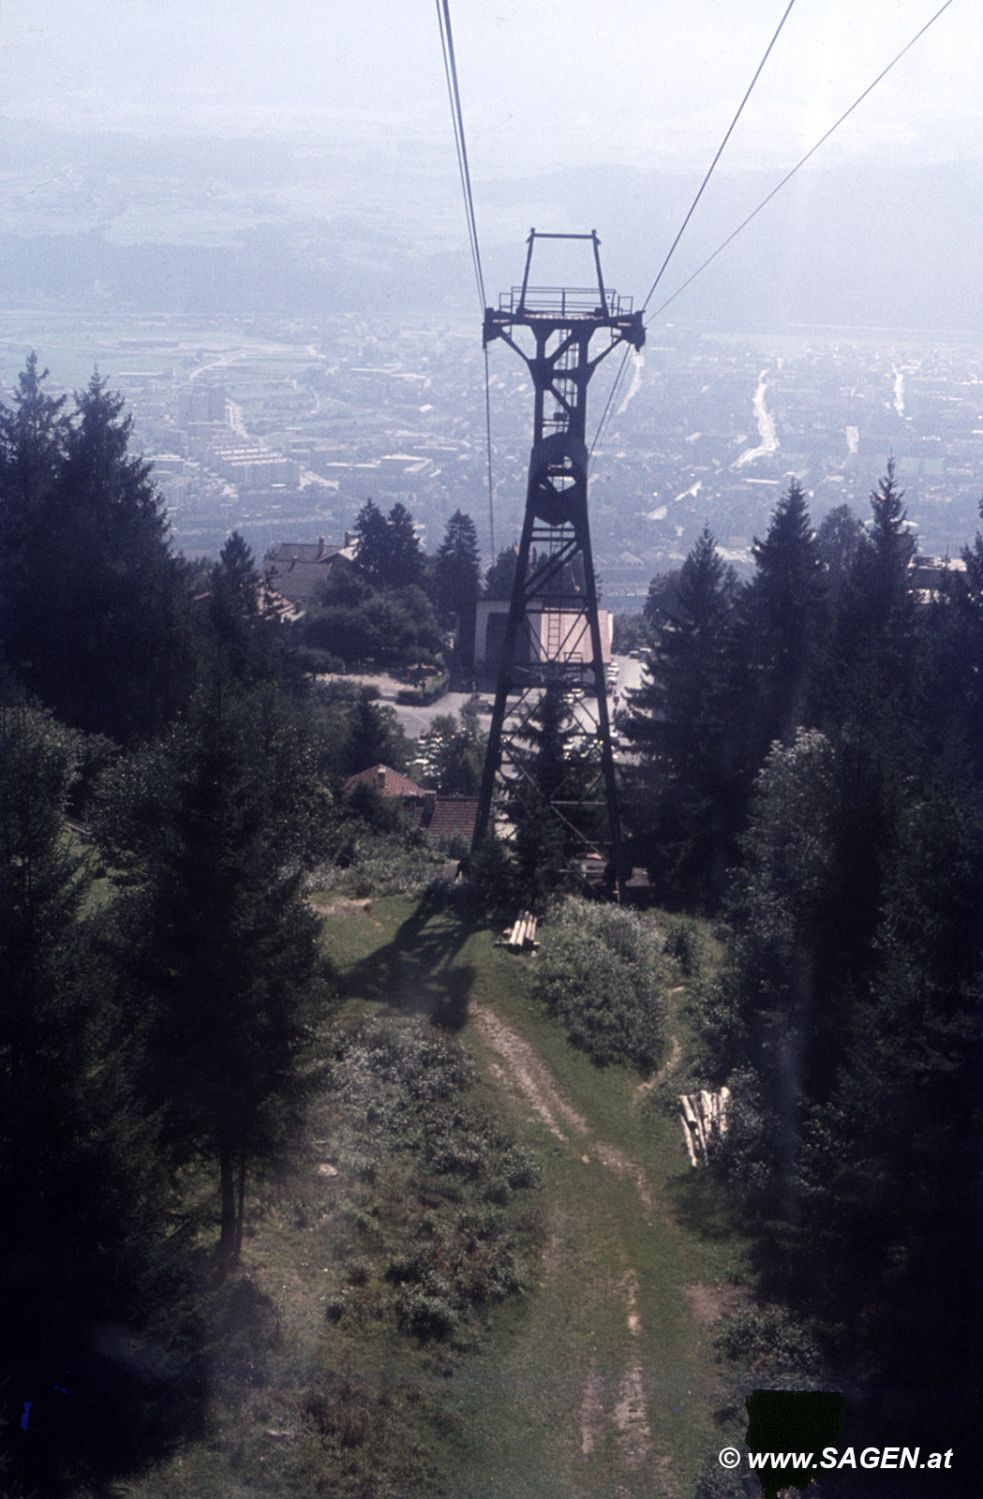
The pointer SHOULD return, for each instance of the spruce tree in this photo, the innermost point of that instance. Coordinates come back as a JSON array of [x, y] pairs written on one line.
[[551, 777], [783, 617], [33, 433], [244, 632], [85, 1241], [500, 577], [687, 805], [887, 1194], [662, 601], [404, 567], [457, 582], [868, 673], [212, 830], [94, 622], [375, 737], [372, 555], [950, 696]]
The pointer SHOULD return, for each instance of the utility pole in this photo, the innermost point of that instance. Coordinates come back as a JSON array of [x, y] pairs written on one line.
[[552, 635]]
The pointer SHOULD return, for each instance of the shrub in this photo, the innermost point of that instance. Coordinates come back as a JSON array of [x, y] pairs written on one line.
[[358, 1271], [490, 886], [452, 1246], [682, 943], [769, 1337], [335, 1308], [369, 861], [425, 1315], [599, 975]]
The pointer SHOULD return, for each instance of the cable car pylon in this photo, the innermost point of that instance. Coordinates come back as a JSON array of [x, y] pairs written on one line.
[[552, 643]]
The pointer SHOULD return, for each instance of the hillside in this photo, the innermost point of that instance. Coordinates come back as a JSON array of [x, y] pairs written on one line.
[[598, 1377]]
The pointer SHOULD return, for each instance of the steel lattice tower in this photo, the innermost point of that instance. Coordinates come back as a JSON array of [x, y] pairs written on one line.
[[552, 636]]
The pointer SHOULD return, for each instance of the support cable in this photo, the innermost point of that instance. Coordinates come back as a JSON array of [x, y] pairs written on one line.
[[720, 151], [488, 445], [464, 169], [789, 175], [619, 377], [457, 119]]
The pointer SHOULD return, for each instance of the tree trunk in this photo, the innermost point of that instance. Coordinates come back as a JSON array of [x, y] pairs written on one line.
[[228, 1243], [241, 1203]]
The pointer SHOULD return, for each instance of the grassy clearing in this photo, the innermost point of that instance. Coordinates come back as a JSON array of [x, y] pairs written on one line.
[[532, 1443], [521, 1403], [599, 1379]]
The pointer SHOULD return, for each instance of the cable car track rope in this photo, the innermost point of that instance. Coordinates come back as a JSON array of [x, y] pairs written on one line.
[[790, 174], [464, 169], [619, 377], [454, 94], [763, 204]]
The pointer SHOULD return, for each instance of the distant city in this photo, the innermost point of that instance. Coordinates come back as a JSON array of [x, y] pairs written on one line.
[[282, 428]]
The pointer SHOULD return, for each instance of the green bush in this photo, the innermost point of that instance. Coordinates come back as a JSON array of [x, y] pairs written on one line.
[[372, 861], [425, 1315], [358, 1271], [445, 1243], [599, 975], [681, 942], [769, 1338], [335, 1308]]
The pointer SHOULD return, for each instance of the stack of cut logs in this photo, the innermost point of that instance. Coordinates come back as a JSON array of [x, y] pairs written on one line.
[[521, 935], [703, 1115]]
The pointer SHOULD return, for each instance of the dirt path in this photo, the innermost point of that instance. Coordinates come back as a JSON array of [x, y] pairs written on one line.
[[611, 1422], [525, 1072], [670, 1064], [530, 1075]]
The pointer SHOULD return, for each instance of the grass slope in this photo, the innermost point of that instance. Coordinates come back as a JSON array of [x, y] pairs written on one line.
[[565, 1372], [599, 1380]]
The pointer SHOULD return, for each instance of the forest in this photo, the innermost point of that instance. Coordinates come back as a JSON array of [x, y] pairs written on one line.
[[804, 791]]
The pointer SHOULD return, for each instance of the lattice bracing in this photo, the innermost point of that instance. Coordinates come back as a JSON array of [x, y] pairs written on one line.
[[552, 645]]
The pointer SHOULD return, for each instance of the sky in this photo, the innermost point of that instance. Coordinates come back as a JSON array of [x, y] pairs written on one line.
[[545, 83], [568, 105]]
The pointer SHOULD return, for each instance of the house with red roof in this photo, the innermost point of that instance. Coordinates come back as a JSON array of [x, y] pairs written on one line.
[[438, 816]]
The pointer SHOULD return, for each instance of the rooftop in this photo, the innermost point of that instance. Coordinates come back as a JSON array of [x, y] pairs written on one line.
[[386, 781]]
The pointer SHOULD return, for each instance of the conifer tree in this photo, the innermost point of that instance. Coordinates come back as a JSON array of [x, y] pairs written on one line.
[[389, 554], [661, 601], [950, 698], [500, 577], [375, 737], [769, 1015], [33, 433], [84, 1237], [457, 582], [887, 1196], [244, 632], [782, 612], [687, 809], [372, 551], [552, 774], [869, 673], [94, 622], [212, 830], [404, 568]]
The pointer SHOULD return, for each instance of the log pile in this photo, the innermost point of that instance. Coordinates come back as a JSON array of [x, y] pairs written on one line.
[[521, 935], [703, 1116]]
